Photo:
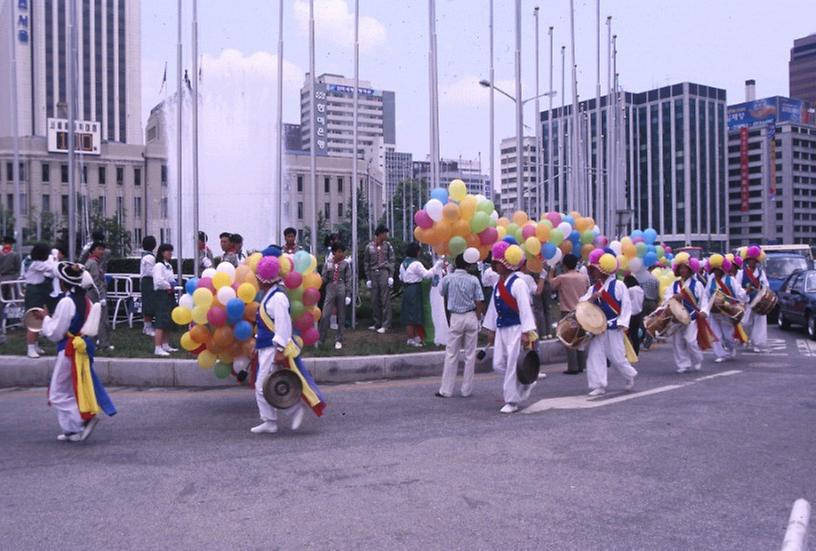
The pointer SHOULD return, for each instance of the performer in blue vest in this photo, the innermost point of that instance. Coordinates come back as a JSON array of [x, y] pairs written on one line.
[[752, 279], [723, 288], [510, 320], [75, 391], [612, 297], [688, 343]]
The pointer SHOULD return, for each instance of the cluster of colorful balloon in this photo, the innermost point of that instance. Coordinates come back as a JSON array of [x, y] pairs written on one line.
[[453, 220]]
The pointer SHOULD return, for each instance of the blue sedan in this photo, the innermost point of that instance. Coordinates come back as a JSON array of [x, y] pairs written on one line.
[[797, 301]]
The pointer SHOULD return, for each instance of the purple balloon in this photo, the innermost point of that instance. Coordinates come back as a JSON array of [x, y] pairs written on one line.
[[423, 219], [595, 256], [499, 248], [488, 236]]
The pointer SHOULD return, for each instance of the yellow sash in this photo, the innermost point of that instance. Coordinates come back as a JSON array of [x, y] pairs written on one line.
[[85, 395]]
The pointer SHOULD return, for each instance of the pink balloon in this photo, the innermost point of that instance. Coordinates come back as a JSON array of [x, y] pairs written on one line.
[[595, 255], [423, 219], [601, 241], [529, 230], [293, 280], [206, 283], [499, 248], [554, 218], [310, 336], [268, 268], [311, 297], [304, 322], [488, 236], [216, 316]]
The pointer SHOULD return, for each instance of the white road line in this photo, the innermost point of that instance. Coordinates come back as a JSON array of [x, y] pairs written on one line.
[[806, 347], [583, 402]]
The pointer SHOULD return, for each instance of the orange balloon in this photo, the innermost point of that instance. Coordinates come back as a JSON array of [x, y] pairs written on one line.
[[247, 348], [473, 240], [543, 233], [451, 212], [443, 231], [317, 313], [312, 280], [441, 248], [629, 250], [534, 264], [419, 234], [251, 311], [566, 247], [200, 334], [461, 228], [214, 348], [586, 249], [243, 273], [226, 357], [484, 250], [520, 218], [503, 222], [223, 337], [467, 207]]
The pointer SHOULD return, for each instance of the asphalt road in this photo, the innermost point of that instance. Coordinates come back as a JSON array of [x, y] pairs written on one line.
[[692, 461]]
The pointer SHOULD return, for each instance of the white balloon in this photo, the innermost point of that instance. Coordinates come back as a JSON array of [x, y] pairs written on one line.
[[494, 216], [226, 268], [565, 228], [616, 246], [209, 272], [480, 198], [596, 229], [240, 364], [471, 255], [434, 209], [225, 294], [635, 265], [186, 301], [557, 258]]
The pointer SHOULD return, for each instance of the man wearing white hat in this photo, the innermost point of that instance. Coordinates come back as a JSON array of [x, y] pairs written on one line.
[[720, 284], [688, 290], [752, 279], [611, 296]]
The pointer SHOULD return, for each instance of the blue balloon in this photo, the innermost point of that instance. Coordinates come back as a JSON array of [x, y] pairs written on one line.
[[510, 239], [242, 330], [235, 308], [548, 250], [568, 218], [636, 234], [650, 235], [191, 285], [574, 234], [651, 248], [650, 260], [441, 194], [610, 251]]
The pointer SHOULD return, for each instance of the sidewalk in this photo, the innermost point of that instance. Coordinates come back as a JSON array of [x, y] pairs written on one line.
[[18, 371]]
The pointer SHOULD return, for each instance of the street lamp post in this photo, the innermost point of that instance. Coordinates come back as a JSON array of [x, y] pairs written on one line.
[[537, 121]]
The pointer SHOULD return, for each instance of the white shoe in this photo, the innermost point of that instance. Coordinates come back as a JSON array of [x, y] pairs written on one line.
[[90, 425], [680, 370], [167, 348], [381, 330], [267, 427], [40, 350], [758, 350], [159, 351], [630, 384], [338, 346], [73, 437], [719, 360], [697, 367], [509, 408], [297, 418], [597, 392], [372, 328], [32, 352]]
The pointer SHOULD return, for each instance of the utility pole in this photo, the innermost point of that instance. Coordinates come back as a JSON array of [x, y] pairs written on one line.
[[179, 131], [576, 180], [599, 179], [550, 164], [279, 128], [492, 114], [18, 222], [72, 196], [537, 119], [355, 279]]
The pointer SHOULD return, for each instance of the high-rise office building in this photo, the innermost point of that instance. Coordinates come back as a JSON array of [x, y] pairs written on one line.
[[802, 67], [771, 171], [667, 170], [398, 168], [509, 183], [334, 117], [469, 171]]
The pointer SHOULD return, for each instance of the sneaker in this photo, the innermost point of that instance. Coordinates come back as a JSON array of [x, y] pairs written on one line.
[[159, 351], [381, 330], [69, 437], [597, 392], [440, 395], [338, 346], [719, 360], [32, 353], [110, 348], [167, 348], [758, 350], [697, 367], [297, 418], [40, 350], [90, 425], [630, 383], [372, 328], [267, 427], [509, 408], [680, 370]]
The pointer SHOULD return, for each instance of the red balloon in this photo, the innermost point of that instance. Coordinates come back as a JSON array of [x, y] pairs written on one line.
[[310, 336], [488, 236], [311, 297], [206, 283], [293, 280], [216, 316], [305, 322]]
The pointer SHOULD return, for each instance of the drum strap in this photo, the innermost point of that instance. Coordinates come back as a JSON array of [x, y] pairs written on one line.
[[754, 280], [726, 290], [611, 301]]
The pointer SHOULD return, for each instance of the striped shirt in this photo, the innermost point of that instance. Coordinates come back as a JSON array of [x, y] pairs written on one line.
[[462, 291]]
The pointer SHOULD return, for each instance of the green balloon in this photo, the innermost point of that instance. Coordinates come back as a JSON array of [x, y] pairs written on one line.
[[457, 245], [295, 294], [519, 236], [660, 252], [587, 237], [486, 207], [222, 370], [512, 228], [556, 237], [479, 222], [296, 309]]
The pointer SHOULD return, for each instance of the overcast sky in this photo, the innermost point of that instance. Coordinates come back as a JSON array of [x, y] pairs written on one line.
[[714, 42]]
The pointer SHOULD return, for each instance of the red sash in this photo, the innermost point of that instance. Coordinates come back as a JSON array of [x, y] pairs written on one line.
[[752, 279], [611, 301], [705, 336], [505, 295]]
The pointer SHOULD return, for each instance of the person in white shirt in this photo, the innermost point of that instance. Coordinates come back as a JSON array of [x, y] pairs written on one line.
[[636, 296], [39, 278], [411, 273], [164, 285], [611, 296], [146, 284], [722, 286], [692, 295], [752, 279]]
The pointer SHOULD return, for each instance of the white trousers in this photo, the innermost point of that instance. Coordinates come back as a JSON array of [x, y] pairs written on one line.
[[506, 349], [757, 328], [463, 333], [61, 396], [687, 354], [267, 365], [723, 329], [608, 346]]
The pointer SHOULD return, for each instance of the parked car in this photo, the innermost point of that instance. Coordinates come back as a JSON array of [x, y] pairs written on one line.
[[778, 267], [797, 301]]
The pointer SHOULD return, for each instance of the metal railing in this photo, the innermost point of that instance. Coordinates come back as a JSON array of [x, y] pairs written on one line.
[[13, 301]]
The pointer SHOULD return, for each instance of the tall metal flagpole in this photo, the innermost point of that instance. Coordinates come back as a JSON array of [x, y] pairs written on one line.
[[279, 129], [312, 149], [434, 104], [550, 164], [611, 225], [179, 107], [519, 114], [72, 195], [598, 210], [492, 115], [196, 228], [563, 125], [576, 180], [354, 183], [18, 232], [616, 124], [537, 121]]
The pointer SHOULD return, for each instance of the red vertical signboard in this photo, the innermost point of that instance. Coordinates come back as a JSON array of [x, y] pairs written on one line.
[[744, 169]]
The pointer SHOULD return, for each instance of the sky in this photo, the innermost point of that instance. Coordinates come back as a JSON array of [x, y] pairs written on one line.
[[718, 43]]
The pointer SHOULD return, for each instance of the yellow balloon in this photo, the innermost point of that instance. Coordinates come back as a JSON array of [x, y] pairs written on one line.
[[457, 190], [187, 342], [246, 292], [253, 260], [543, 232], [608, 263], [532, 245], [312, 265], [203, 297], [181, 315], [312, 281], [502, 231], [624, 263], [199, 314], [467, 207], [513, 254], [220, 279], [503, 222], [286, 264], [206, 359]]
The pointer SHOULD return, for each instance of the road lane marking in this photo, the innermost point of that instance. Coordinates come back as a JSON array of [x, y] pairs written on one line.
[[806, 347], [583, 402]]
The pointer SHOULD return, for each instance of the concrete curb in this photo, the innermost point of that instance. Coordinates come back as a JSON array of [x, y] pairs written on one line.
[[20, 371]]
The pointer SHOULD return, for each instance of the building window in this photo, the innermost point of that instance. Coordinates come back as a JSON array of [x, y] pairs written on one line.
[[103, 175], [120, 208], [64, 174], [10, 201], [340, 185], [9, 171], [120, 175], [326, 211], [327, 185], [137, 207], [64, 205], [46, 173], [340, 210], [300, 184], [85, 173], [164, 207], [46, 203], [137, 176], [137, 235], [300, 210], [164, 175], [101, 206], [24, 203]]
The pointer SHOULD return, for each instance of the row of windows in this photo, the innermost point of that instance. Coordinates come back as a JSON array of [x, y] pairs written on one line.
[[98, 205], [102, 172]]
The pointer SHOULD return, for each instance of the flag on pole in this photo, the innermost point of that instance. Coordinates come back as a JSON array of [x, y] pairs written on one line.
[[164, 78]]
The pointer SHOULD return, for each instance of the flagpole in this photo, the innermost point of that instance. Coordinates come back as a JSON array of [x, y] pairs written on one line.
[[179, 107], [537, 121], [550, 164], [18, 232], [576, 180], [196, 228], [72, 200], [312, 149], [279, 128], [355, 279]]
